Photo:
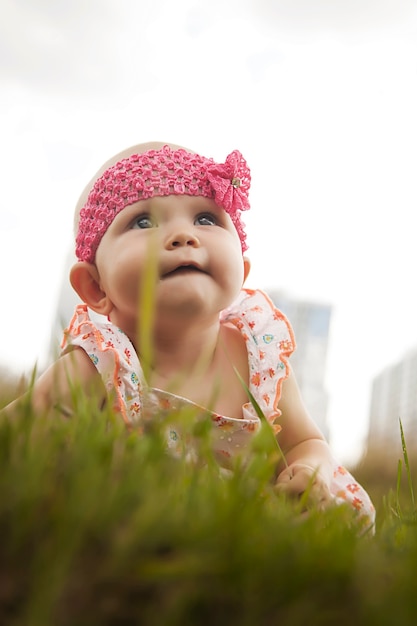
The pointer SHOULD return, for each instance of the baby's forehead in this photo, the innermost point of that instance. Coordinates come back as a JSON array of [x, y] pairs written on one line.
[[166, 204]]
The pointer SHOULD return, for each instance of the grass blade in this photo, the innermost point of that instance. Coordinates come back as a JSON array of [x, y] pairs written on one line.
[[407, 465], [146, 310], [399, 474]]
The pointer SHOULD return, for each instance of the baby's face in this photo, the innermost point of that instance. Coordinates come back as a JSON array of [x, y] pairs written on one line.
[[194, 249]]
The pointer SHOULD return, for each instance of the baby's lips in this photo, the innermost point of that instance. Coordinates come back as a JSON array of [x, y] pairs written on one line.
[[181, 266]]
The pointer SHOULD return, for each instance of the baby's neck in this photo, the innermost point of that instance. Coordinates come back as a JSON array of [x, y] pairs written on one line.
[[202, 369], [186, 350]]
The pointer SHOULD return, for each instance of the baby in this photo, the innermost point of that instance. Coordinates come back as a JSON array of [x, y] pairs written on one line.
[[159, 222]]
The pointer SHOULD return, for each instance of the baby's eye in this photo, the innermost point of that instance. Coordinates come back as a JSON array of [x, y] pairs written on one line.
[[206, 219], [144, 221]]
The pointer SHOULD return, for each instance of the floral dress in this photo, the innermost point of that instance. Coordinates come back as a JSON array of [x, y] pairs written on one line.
[[269, 341]]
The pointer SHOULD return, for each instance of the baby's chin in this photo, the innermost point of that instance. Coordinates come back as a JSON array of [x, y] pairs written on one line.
[[186, 302]]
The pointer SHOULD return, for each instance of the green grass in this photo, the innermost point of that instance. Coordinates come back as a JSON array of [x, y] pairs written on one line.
[[103, 527]]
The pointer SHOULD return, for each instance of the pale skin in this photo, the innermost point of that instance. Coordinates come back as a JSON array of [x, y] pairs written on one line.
[[194, 283]]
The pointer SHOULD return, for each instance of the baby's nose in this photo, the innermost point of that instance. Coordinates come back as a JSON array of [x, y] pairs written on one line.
[[182, 238]]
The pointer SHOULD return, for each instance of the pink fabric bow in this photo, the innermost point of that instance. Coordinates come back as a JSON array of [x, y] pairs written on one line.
[[230, 182]]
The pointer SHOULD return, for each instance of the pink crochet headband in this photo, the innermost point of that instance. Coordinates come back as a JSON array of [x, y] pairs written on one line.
[[161, 173]]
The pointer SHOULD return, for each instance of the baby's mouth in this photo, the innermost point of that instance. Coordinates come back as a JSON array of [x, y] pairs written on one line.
[[184, 269]]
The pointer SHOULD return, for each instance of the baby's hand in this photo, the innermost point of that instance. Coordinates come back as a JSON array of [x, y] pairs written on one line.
[[299, 478]]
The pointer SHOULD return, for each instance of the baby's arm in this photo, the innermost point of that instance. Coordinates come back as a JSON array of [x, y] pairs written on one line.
[[53, 392], [310, 463]]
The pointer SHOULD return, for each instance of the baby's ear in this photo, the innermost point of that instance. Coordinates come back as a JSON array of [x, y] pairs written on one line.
[[85, 280], [246, 268]]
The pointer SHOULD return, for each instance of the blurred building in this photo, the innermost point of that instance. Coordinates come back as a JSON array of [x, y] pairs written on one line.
[[394, 397], [66, 302], [311, 324]]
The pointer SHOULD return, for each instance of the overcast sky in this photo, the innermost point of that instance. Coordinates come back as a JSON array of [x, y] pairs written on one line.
[[319, 95]]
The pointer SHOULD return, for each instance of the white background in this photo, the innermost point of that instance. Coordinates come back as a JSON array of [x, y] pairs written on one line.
[[319, 95]]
